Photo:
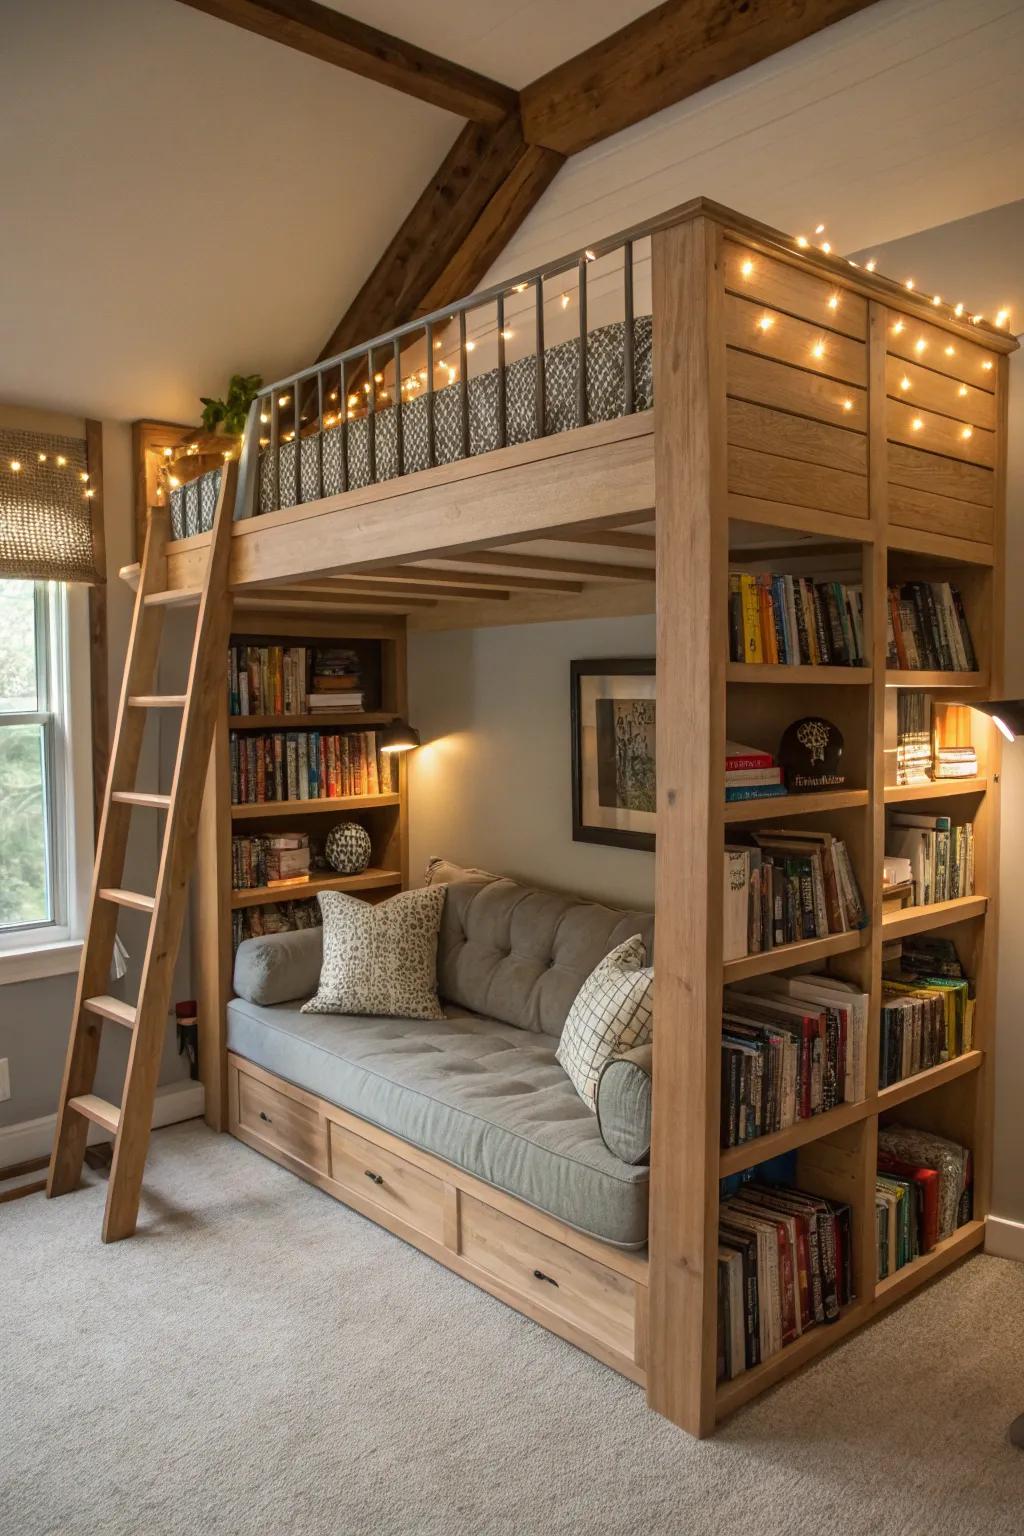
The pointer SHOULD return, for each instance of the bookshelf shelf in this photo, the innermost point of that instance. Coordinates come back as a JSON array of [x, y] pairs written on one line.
[[897, 679], [733, 1394], [799, 1134], [265, 808], [823, 677], [898, 925], [932, 1077], [806, 952], [971, 1235], [939, 789], [777, 807], [332, 717], [300, 890]]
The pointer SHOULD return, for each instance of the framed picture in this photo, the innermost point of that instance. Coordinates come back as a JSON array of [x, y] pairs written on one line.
[[613, 785]]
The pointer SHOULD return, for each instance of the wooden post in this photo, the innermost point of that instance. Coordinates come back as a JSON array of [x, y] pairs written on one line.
[[99, 680], [692, 588]]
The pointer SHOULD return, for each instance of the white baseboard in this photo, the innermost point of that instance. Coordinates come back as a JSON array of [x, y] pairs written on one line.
[[33, 1138], [1004, 1238]]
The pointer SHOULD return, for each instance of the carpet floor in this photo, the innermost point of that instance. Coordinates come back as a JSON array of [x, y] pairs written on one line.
[[262, 1361]]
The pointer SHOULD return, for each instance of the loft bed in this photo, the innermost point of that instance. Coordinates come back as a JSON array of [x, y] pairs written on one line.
[[750, 409]]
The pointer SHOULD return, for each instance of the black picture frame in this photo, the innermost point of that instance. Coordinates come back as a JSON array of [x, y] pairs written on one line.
[[584, 830]]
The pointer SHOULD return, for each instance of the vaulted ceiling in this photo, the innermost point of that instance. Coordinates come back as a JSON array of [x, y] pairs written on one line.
[[183, 199]]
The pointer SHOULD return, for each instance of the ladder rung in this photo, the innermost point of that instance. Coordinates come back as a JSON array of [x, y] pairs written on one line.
[[158, 700], [111, 1008], [139, 797], [128, 898], [177, 597], [97, 1110]]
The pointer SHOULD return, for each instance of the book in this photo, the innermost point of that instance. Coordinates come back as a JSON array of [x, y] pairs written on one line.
[[786, 620], [940, 854], [927, 628], [307, 765], [914, 757], [739, 757], [952, 1163]]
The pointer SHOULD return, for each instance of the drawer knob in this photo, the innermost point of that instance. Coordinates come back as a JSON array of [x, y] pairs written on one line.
[[266, 1117], [539, 1274], [374, 1177]]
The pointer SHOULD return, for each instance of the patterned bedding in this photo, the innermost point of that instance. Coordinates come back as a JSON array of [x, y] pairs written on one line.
[[192, 505]]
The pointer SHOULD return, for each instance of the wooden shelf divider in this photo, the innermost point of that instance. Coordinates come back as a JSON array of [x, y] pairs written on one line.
[[821, 677], [931, 1077], [938, 789], [302, 890], [939, 914], [776, 807], [805, 952], [265, 808]]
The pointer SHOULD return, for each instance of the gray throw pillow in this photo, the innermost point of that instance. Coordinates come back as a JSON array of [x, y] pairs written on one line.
[[380, 959], [624, 1105]]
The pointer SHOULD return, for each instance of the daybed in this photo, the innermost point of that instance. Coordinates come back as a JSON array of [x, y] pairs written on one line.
[[480, 1090]]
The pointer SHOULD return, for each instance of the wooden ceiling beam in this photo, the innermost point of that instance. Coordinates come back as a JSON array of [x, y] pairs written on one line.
[[468, 590], [432, 575], [662, 57], [588, 569], [325, 34], [611, 538]]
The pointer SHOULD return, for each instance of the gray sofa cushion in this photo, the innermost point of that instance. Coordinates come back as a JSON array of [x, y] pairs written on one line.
[[279, 967], [624, 1104], [520, 955], [478, 1093]]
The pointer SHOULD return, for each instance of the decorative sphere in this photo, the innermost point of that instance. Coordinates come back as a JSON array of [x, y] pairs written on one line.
[[347, 848], [811, 755]]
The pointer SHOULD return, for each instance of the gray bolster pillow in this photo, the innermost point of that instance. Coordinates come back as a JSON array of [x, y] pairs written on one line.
[[279, 967], [624, 1105]]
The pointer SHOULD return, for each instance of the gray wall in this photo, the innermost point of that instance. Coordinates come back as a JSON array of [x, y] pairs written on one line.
[[492, 784], [35, 1016]]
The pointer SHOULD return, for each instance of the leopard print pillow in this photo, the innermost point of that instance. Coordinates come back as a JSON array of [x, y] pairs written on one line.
[[380, 959]]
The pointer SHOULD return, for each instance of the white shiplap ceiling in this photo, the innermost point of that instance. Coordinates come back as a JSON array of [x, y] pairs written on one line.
[[180, 199]]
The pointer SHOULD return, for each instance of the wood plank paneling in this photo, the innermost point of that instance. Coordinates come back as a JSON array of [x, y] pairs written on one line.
[[789, 340], [770, 478], [794, 437], [766, 382], [919, 342], [932, 513], [799, 293], [919, 386], [941, 476], [939, 434]]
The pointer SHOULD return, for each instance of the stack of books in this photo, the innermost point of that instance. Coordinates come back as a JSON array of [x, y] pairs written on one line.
[[274, 917], [336, 683], [787, 886], [751, 774], [955, 756], [914, 756], [927, 629], [793, 621], [922, 1194], [307, 765], [925, 1021], [940, 855], [785, 1265], [278, 859], [956, 763], [792, 1047], [267, 679]]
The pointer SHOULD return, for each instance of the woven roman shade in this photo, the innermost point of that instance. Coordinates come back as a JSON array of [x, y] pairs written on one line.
[[45, 515]]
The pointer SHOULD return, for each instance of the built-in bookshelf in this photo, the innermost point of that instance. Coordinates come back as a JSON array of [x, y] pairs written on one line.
[[223, 912]]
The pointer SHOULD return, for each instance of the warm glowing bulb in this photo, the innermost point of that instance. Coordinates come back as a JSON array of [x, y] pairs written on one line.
[[590, 256], [987, 366], [917, 423], [833, 302], [920, 345], [565, 301], [173, 481], [470, 346], [378, 378], [519, 288], [83, 475], [898, 328], [61, 461], [962, 391], [950, 350], [747, 268], [283, 399], [350, 414], [168, 453], [1002, 316], [871, 265], [90, 492], [227, 453], [16, 465], [977, 319], [904, 382], [958, 310], [42, 458], [423, 376], [353, 399], [826, 248], [847, 405], [909, 285], [967, 432], [819, 229], [766, 322], [333, 395], [936, 298], [437, 346], [506, 334], [803, 242], [264, 417], [818, 350]]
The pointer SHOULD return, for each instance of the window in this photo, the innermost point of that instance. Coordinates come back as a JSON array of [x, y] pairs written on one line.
[[45, 794]]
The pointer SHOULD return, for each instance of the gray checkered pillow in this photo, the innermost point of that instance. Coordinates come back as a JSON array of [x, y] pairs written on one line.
[[611, 1014]]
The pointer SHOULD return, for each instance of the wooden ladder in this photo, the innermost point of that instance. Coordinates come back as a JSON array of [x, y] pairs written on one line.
[[130, 1122]]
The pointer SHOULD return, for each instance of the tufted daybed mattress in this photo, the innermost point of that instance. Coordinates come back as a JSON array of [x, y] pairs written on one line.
[[482, 1088]]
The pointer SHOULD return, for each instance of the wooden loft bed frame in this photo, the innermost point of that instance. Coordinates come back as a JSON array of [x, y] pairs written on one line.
[[780, 415]]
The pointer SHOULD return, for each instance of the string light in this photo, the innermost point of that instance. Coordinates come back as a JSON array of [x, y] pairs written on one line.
[[898, 328], [977, 319], [470, 346], [950, 351], [909, 285], [378, 378], [747, 268], [870, 266], [819, 229], [958, 310], [987, 365], [519, 288], [920, 345], [90, 492], [904, 383], [61, 461], [283, 399], [1002, 316], [42, 458], [264, 417], [936, 298], [227, 453], [826, 248], [506, 335], [333, 395], [818, 350], [967, 432], [16, 466], [83, 475], [803, 242], [962, 391], [168, 454], [173, 482], [766, 322], [565, 301], [847, 405], [589, 255], [917, 423], [833, 302]]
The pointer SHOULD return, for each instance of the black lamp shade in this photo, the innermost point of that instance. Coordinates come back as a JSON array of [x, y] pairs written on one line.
[[1008, 715], [400, 736]]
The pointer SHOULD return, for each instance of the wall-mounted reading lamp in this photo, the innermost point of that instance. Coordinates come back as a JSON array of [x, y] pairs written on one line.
[[400, 736], [1007, 714]]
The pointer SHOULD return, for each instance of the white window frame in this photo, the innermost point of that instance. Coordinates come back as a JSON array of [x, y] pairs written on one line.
[[63, 681]]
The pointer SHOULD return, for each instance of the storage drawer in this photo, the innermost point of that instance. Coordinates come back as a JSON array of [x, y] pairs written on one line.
[[282, 1121], [598, 1301], [396, 1187]]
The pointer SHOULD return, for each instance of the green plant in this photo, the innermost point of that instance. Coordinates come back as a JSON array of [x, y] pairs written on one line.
[[228, 415]]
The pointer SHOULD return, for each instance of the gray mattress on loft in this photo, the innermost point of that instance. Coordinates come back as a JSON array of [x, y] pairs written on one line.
[[192, 505]]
